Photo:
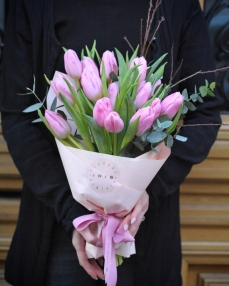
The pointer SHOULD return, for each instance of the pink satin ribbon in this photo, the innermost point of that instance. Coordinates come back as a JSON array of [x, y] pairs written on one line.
[[112, 233]]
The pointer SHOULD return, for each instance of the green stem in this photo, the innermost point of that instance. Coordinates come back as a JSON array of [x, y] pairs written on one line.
[[76, 143], [115, 144]]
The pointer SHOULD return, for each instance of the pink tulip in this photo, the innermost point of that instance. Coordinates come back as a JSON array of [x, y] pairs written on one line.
[[155, 86], [110, 64], [60, 86], [72, 64], [113, 122], [89, 65], [142, 67], [113, 90], [143, 94], [92, 85], [171, 104], [147, 116], [101, 109], [58, 124]]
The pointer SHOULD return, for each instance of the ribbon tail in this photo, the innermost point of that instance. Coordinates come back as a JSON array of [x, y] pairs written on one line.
[[110, 269]]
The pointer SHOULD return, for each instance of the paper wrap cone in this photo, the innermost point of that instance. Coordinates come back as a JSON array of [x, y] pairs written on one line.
[[105, 183]]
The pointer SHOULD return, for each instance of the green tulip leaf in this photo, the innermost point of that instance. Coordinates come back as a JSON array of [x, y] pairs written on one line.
[[130, 133], [104, 81], [123, 69], [98, 135], [152, 69], [79, 122]]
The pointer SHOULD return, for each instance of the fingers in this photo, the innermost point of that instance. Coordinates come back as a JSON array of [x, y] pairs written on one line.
[[89, 265], [90, 238], [133, 220]]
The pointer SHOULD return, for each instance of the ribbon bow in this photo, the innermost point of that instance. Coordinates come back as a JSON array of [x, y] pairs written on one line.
[[112, 233]]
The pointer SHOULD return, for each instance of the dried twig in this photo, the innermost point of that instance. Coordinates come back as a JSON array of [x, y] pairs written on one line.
[[153, 37], [199, 72], [149, 22], [125, 38]]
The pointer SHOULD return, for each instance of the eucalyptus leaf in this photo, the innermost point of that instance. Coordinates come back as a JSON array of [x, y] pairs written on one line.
[[37, 120], [189, 105], [184, 109], [154, 149], [185, 94], [61, 112], [209, 92], [212, 85], [169, 141], [33, 107], [199, 98], [194, 97], [156, 136], [139, 146], [180, 138], [203, 91], [54, 103]]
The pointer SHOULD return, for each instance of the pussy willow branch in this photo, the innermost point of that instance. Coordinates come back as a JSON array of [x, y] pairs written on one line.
[[199, 72]]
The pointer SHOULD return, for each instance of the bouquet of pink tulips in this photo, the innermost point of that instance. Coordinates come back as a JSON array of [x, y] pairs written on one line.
[[107, 106], [115, 104]]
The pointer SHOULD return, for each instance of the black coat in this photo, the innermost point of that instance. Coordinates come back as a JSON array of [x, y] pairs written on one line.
[[31, 49]]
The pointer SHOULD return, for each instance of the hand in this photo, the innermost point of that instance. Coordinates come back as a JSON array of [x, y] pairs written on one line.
[[133, 219], [89, 265]]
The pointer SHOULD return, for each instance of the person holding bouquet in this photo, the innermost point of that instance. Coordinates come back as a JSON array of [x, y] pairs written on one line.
[[46, 249]]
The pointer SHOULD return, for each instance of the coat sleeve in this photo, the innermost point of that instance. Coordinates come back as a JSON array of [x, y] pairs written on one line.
[[194, 50], [31, 147]]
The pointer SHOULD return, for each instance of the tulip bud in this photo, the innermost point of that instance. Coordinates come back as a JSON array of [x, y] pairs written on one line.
[[58, 124], [60, 86], [147, 116], [143, 94], [110, 64], [155, 86], [89, 65], [171, 104], [113, 122], [92, 85], [113, 90], [101, 109], [72, 64], [142, 67]]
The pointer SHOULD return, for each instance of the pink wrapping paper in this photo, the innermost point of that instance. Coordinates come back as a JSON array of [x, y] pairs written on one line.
[[105, 183]]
